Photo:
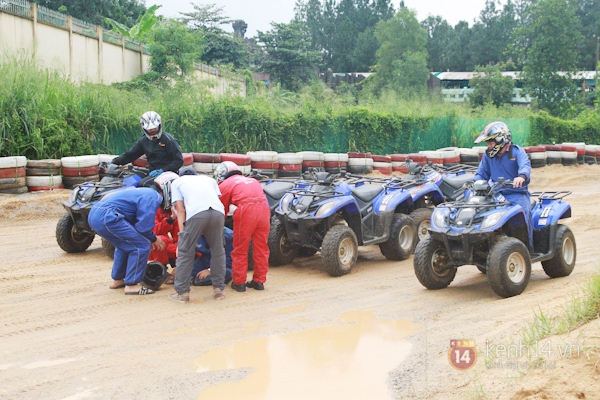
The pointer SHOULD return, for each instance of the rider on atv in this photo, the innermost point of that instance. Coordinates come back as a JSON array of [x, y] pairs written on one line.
[[161, 149], [504, 159]]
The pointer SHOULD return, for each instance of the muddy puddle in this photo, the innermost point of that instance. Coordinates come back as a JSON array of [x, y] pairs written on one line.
[[350, 359]]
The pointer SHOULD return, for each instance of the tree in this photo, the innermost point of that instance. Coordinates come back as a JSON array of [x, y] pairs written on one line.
[[550, 57], [174, 48], [125, 12], [491, 87], [219, 47], [492, 35], [438, 42], [289, 58], [402, 56]]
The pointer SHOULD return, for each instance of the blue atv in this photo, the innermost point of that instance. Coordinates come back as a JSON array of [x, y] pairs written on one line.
[[485, 230], [73, 233], [337, 213], [440, 184]]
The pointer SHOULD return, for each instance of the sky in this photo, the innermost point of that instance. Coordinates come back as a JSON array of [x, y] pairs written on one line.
[[259, 14]]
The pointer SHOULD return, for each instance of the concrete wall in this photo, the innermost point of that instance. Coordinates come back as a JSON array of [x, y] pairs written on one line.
[[84, 58]]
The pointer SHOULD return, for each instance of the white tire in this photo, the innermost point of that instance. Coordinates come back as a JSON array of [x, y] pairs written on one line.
[[44, 180], [263, 156], [105, 158], [335, 157], [360, 162], [311, 155], [80, 161], [290, 158], [10, 162], [204, 168]]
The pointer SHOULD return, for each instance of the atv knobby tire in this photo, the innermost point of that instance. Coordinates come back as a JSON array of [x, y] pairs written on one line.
[[509, 267], [108, 248], [69, 239], [281, 249], [402, 241], [422, 219], [339, 250], [565, 253], [430, 263]]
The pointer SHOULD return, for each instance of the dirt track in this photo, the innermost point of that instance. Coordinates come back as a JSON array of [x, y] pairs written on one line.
[[375, 333]]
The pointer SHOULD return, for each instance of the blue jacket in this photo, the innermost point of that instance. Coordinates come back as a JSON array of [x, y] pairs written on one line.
[[137, 206], [513, 163]]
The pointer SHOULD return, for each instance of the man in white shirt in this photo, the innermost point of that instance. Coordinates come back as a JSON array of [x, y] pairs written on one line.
[[199, 212]]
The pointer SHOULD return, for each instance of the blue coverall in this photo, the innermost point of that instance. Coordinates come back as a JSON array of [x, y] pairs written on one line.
[[511, 164], [126, 218]]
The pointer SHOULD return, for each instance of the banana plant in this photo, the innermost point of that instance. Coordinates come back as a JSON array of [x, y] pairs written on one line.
[[139, 30]]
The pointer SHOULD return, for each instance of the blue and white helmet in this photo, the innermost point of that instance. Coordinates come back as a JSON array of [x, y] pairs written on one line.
[[499, 133], [151, 120]]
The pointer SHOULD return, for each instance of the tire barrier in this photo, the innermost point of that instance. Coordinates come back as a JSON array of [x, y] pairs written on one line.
[[12, 175], [19, 175], [79, 169]]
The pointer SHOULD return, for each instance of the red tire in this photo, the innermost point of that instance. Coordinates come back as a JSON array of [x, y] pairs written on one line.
[[265, 165], [86, 171], [12, 172], [290, 167], [312, 164], [46, 163], [207, 158], [239, 159], [356, 154], [188, 159], [42, 188]]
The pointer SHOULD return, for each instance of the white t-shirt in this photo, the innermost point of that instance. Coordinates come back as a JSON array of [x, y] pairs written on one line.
[[198, 193]]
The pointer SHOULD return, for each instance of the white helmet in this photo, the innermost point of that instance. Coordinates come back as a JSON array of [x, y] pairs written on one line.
[[225, 169], [151, 120], [163, 186]]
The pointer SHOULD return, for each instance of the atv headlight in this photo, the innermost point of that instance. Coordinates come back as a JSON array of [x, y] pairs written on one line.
[[492, 219], [438, 218], [325, 208], [285, 202]]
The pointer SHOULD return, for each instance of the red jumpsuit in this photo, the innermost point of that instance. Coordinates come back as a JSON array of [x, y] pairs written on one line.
[[168, 233], [251, 220]]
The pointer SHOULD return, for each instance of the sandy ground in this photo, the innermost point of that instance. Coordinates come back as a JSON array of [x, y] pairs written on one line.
[[373, 334]]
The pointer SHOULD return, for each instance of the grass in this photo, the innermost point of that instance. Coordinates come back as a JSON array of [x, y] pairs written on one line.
[[582, 309]]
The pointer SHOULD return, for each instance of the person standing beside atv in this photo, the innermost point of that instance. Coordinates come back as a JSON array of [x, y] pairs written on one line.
[[251, 220], [161, 149], [505, 159], [126, 218]]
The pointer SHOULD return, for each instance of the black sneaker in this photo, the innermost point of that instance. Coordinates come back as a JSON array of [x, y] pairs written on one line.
[[255, 285], [238, 288]]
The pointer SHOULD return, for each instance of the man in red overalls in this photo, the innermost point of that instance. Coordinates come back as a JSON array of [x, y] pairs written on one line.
[[251, 220], [167, 229]]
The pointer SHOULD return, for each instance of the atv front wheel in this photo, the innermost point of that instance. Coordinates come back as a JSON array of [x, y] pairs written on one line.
[[402, 241], [422, 219], [339, 250], [281, 249], [509, 267], [108, 248], [69, 238], [431, 264], [565, 253]]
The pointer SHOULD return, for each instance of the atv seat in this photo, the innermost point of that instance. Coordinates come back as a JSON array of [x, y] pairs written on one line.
[[366, 192], [458, 181], [276, 190]]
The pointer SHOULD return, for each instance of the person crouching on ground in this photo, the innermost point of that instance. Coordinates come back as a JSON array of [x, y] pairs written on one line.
[[201, 271], [126, 218], [251, 221]]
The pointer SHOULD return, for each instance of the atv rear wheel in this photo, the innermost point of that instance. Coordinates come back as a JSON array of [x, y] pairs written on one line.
[[509, 267], [339, 250], [402, 241], [108, 248], [281, 248], [69, 238], [431, 264], [565, 253], [422, 219]]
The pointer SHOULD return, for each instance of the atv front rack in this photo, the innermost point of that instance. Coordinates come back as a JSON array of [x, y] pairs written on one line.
[[551, 195]]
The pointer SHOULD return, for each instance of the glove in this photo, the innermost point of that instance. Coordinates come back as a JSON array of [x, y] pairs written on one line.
[[170, 220], [155, 173]]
